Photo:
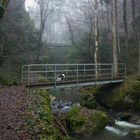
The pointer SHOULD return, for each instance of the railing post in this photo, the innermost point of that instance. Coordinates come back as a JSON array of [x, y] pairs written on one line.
[[55, 76], [95, 74], [28, 75], [125, 71], [112, 72], [84, 70], [77, 77], [46, 71], [66, 70], [22, 74]]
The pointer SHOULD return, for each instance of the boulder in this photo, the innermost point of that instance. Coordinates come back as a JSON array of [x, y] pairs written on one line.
[[128, 100], [135, 133], [125, 116], [88, 100], [86, 122], [138, 121]]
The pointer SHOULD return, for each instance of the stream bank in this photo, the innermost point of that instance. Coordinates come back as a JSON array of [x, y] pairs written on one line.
[[120, 102], [30, 114]]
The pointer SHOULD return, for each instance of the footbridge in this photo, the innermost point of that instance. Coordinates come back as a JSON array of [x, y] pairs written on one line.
[[45, 75]]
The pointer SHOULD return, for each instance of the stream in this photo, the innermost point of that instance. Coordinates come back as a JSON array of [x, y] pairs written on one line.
[[68, 97]]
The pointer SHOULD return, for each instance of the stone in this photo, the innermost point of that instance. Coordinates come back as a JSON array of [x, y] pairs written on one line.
[[128, 100], [124, 116], [60, 106], [86, 122], [138, 121], [135, 133]]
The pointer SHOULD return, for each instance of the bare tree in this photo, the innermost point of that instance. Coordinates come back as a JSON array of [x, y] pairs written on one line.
[[70, 30], [114, 35], [46, 8], [96, 32], [125, 26]]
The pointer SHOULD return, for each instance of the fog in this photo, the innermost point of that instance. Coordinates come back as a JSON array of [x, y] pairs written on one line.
[[56, 27]]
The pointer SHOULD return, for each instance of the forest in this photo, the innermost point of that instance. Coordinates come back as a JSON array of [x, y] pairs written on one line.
[[69, 32], [97, 32]]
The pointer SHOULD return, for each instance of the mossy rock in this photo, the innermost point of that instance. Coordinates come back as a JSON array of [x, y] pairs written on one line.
[[86, 122], [100, 120], [88, 100], [120, 97], [3, 5], [131, 88], [75, 118], [90, 90], [137, 105], [135, 133], [41, 120], [87, 97]]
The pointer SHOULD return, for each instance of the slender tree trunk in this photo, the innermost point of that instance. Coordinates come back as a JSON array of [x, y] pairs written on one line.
[[114, 35], [135, 32], [38, 48], [133, 20], [133, 10], [108, 7], [125, 27], [96, 40], [71, 32], [139, 53], [39, 43]]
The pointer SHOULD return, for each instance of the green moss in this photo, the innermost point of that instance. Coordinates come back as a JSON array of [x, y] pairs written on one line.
[[75, 118], [117, 96], [135, 133], [83, 121], [88, 99], [137, 105], [131, 88], [90, 103], [90, 90], [41, 120], [100, 120]]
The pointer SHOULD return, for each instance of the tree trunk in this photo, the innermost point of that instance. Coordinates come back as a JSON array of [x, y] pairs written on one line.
[[71, 32], [96, 40], [125, 27], [114, 35], [39, 43], [133, 10]]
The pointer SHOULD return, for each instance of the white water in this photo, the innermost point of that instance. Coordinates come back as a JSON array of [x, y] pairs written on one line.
[[126, 124], [116, 131], [123, 124]]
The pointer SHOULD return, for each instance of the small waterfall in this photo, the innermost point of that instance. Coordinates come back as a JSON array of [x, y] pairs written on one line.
[[126, 124], [116, 131], [124, 129]]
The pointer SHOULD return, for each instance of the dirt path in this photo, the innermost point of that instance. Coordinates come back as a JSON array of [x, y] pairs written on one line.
[[13, 105]]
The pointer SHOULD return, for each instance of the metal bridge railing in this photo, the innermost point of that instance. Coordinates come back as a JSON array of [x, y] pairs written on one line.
[[76, 73]]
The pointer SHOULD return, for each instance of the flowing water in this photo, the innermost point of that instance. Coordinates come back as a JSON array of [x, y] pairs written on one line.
[[118, 132]]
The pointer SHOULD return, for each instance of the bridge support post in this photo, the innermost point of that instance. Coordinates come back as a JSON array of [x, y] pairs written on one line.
[[125, 72], [84, 70], [55, 77], [46, 71], [77, 76], [112, 72], [22, 74], [28, 75]]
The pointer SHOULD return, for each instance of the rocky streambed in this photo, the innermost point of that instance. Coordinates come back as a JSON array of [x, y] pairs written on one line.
[[99, 113], [113, 126], [118, 103]]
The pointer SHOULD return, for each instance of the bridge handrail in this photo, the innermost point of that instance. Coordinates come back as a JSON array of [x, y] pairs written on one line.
[[53, 70]]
